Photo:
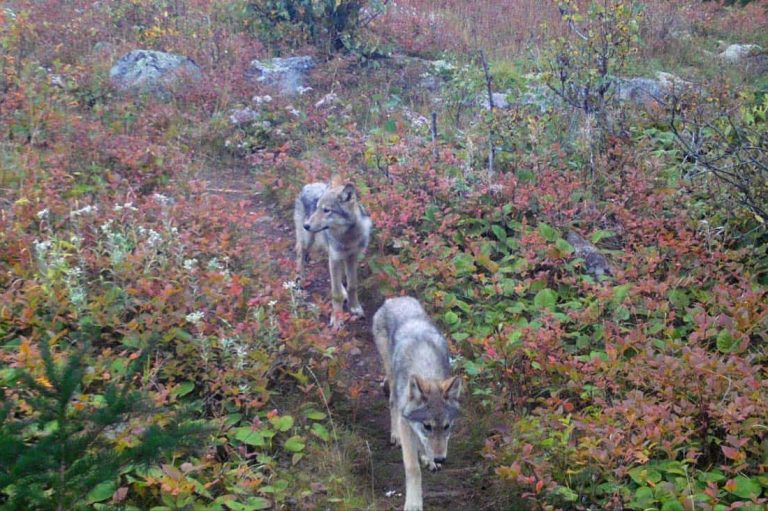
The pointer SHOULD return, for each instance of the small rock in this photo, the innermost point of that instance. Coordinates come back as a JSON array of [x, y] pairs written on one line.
[[287, 74], [649, 91], [499, 100], [539, 96], [152, 71], [639, 90], [736, 53]]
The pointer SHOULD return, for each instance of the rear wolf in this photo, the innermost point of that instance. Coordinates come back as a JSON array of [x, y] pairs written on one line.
[[423, 397], [332, 216]]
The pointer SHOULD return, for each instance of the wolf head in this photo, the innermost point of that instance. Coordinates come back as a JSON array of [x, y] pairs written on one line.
[[430, 410], [337, 207]]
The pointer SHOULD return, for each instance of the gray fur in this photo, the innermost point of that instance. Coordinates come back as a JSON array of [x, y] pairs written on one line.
[[423, 397], [333, 216]]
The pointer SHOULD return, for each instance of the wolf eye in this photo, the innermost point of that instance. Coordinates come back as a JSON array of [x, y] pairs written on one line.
[[446, 427], [326, 210], [428, 427]]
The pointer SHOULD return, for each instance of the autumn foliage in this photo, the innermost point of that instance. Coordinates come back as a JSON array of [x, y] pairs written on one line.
[[131, 245]]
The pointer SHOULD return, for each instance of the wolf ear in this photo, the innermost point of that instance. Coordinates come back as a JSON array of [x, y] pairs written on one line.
[[451, 388], [418, 388], [336, 181], [347, 193]]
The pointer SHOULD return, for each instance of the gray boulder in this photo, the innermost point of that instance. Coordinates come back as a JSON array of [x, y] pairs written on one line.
[[152, 71], [645, 91], [639, 90], [539, 96], [736, 53], [287, 74], [499, 100]]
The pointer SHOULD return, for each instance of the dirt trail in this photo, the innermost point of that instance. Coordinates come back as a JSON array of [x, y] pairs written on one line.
[[380, 473]]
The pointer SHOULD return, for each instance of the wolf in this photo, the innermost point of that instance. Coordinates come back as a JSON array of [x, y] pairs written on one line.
[[423, 397], [332, 217]]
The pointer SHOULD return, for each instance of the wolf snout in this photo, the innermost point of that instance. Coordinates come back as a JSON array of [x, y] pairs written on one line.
[[440, 461], [306, 227]]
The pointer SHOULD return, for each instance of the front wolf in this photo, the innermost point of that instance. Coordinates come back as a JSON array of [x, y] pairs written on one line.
[[423, 397], [333, 216]]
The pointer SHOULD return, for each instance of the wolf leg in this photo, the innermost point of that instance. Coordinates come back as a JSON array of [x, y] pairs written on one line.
[[337, 291], [413, 497], [394, 422], [350, 267], [304, 242], [381, 338]]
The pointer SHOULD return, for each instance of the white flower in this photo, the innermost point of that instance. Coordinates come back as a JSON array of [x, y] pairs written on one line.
[[43, 213], [190, 264], [128, 206], [153, 237], [290, 285], [195, 317], [262, 99], [293, 111], [271, 303], [84, 211], [163, 200], [214, 265], [303, 89], [41, 248]]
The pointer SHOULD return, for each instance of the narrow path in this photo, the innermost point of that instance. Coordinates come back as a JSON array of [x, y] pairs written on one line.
[[364, 411]]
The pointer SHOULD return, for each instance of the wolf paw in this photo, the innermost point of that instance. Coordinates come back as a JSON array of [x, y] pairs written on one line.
[[335, 323], [394, 439], [429, 464], [357, 311]]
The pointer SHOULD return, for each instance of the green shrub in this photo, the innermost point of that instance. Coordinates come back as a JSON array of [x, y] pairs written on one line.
[[327, 24], [62, 450]]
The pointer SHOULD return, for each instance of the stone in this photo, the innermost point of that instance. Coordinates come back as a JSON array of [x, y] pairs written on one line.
[[152, 71], [646, 91], [499, 100], [287, 74], [736, 53], [639, 90]]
